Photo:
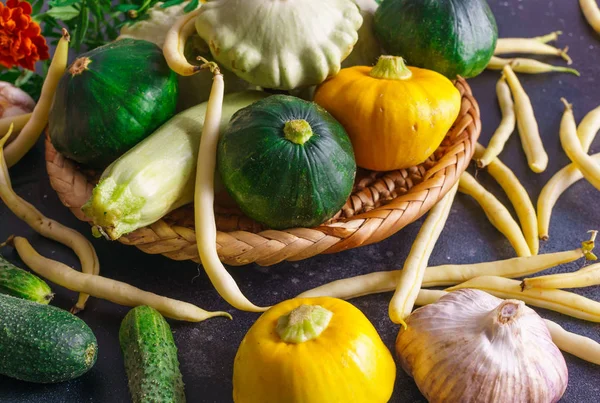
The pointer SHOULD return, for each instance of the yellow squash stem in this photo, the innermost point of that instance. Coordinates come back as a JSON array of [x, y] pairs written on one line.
[[496, 212], [572, 343], [18, 122], [204, 197], [411, 277], [518, 196], [174, 46], [105, 288], [535, 46], [528, 66], [527, 124], [303, 324], [574, 150], [445, 275], [507, 125], [564, 302], [563, 179], [39, 117], [48, 227], [591, 11]]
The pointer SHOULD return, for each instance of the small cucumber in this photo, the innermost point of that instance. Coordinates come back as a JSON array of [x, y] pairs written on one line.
[[42, 343], [22, 284], [150, 357]]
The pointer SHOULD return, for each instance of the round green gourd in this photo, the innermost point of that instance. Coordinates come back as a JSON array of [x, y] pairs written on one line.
[[277, 171], [110, 99], [452, 37], [42, 343]]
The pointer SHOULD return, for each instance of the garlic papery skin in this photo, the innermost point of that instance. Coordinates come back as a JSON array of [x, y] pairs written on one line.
[[473, 347], [14, 101]]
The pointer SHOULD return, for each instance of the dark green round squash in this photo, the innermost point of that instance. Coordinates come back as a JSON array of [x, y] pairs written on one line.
[[286, 162], [110, 99], [452, 37]]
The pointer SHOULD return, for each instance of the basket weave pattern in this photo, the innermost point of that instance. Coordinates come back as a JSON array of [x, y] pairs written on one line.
[[381, 204]]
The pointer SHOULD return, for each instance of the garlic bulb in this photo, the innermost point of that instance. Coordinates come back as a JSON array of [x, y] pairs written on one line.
[[473, 347], [14, 101]]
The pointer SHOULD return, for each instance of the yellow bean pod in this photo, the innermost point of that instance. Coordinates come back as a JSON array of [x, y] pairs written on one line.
[[496, 212], [105, 288], [39, 117], [528, 66], [527, 124], [574, 150]]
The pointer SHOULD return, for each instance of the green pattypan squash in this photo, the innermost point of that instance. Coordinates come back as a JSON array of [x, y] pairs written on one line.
[[280, 44], [367, 48], [195, 89]]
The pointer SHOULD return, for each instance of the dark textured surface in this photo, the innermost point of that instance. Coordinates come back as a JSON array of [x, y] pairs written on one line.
[[207, 349]]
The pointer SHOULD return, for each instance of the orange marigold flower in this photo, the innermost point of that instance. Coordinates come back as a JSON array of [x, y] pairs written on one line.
[[21, 43]]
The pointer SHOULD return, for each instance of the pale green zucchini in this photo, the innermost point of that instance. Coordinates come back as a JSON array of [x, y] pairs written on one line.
[[156, 176]]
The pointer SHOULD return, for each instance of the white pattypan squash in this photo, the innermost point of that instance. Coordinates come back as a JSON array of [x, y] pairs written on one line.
[[280, 44], [367, 50], [195, 89], [154, 28]]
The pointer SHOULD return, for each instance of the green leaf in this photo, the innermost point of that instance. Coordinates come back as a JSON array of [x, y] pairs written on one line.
[[36, 6], [83, 23], [170, 3], [126, 7], [62, 3], [192, 5], [63, 13]]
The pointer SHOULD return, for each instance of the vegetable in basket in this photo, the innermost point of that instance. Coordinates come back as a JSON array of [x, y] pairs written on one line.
[[286, 162], [452, 37], [156, 176], [396, 116], [192, 89], [281, 45], [367, 49], [313, 350], [110, 99]]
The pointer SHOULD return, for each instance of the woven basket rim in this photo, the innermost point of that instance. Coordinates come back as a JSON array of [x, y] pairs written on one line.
[[387, 203]]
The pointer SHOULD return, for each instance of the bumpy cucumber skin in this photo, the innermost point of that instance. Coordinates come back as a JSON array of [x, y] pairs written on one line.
[[22, 284], [42, 343], [150, 357]]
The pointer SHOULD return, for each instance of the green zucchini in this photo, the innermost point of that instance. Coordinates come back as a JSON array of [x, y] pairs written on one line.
[[22, 284], [150, 357], [42, 343], [156, 176]]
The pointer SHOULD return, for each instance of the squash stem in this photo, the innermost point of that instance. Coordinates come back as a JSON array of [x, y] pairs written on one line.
[[391, 68], [304, 323], [297, 131]]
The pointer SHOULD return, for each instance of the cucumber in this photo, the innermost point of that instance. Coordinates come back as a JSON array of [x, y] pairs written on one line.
[[22, 284], [150, 357], [42, 343]]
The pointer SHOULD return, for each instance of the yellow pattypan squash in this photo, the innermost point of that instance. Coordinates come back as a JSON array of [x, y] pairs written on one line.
[[396, 116], [313, 350]]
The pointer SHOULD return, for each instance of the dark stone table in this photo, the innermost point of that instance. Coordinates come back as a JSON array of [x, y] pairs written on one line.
[[207, 350]]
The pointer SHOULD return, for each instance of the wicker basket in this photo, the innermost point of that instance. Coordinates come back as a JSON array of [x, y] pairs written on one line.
[[381, 204]]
